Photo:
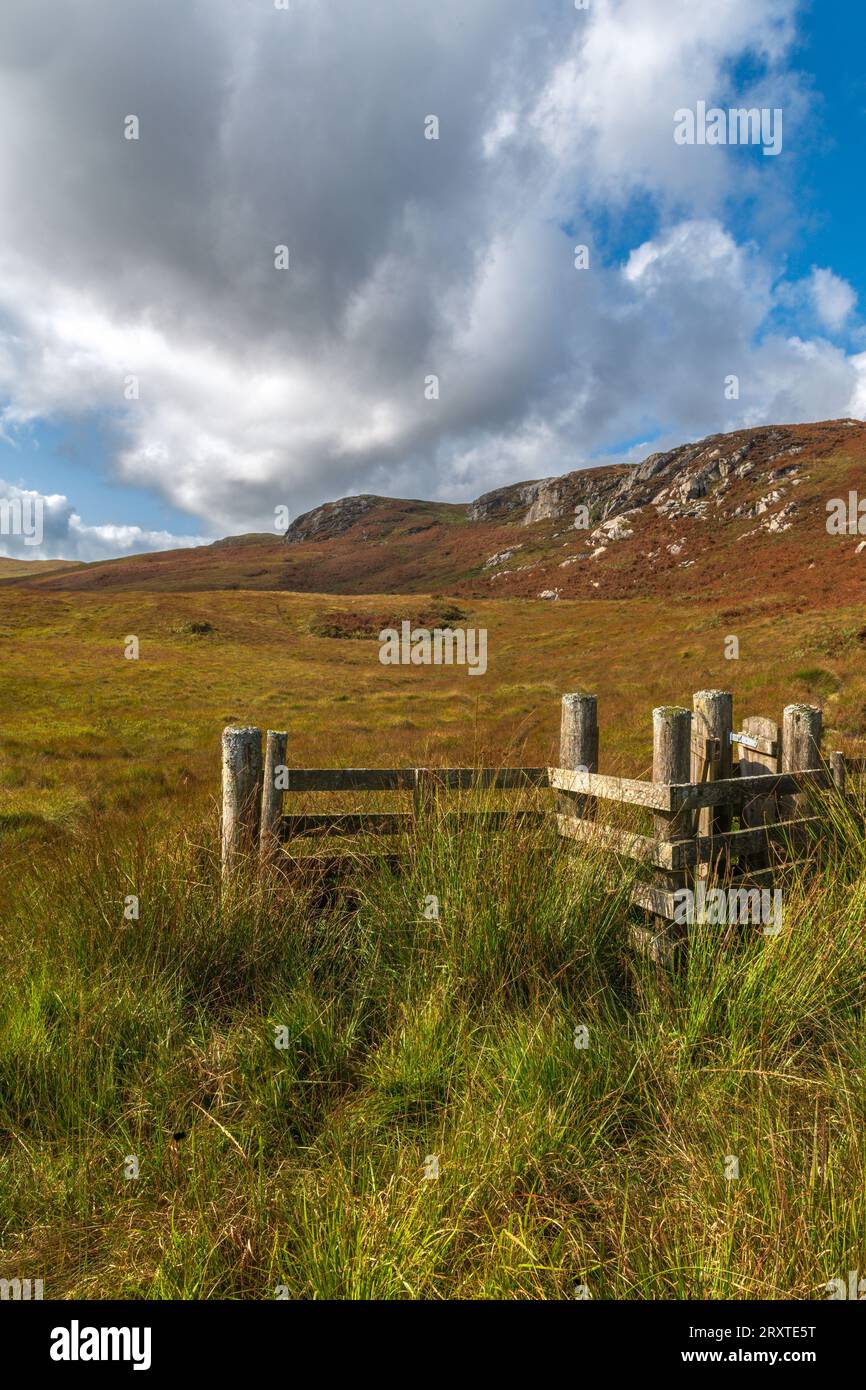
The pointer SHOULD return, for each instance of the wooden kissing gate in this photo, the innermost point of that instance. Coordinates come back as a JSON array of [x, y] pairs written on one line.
[[712, 816]]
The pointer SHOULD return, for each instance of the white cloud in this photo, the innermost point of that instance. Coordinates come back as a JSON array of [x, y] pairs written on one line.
[[833, 298], [408, 257], [42, 526], [607, 107]]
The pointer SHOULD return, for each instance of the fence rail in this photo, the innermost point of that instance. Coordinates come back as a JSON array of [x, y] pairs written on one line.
[[696, 794], [393, 779], [391, 822]]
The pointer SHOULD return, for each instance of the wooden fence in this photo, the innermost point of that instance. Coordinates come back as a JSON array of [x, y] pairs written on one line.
[[713, 816]]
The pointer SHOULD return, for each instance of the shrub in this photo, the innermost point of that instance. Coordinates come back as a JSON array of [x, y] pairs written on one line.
[[353, 624]]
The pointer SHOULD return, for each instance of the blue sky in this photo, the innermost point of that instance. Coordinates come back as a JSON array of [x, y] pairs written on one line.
[[408, 257], [831, 178], [831, 194], [74, 457]]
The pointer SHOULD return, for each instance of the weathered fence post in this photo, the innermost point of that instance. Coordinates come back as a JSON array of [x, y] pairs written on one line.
[[756, 762], [837, 763], [801, 748], [672, 745], [578, 747], [672, 741], [276, 745], [713, 719], [242, 794]]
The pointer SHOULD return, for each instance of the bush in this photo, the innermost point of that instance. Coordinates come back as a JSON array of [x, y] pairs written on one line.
[[818, 680], [352, 624], [198, 628]]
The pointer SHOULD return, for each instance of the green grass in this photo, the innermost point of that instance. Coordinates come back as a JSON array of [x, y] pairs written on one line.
[[303, 1166], [85, 732], [406, 1037]]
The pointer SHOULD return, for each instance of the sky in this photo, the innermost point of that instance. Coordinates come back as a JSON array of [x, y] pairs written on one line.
[[166, 378]]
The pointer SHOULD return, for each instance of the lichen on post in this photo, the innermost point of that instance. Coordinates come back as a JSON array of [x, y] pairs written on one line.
[[242, 795]]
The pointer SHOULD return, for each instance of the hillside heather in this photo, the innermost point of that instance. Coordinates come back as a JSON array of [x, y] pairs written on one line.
[[704, 521]]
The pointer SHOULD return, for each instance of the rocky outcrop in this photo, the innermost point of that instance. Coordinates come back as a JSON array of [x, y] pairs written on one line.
[[504, 502], [548, 502], [616, 528], [691, 481], [678, 482], [331, 519], [501, 558]]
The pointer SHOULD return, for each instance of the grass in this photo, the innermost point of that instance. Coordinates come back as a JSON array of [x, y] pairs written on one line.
[[301, 1167], [86, 732]]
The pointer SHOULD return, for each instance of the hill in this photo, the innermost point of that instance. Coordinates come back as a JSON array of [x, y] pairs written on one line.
[[710, 518], [29, 569]]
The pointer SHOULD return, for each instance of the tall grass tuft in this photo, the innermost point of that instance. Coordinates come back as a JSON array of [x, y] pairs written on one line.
[[457, 1080]]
